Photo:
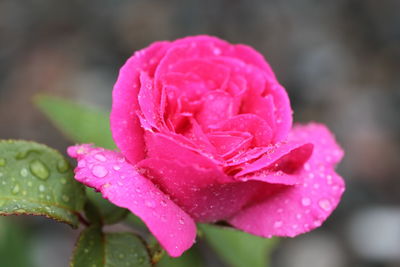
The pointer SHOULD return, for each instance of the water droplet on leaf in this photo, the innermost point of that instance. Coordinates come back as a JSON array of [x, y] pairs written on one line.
[[62, 166], [39, 169], [42, 188], [15, 189]]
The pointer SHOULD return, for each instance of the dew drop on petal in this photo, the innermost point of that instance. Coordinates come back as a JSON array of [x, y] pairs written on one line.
[[100, 157], [181, 221], [305, 201], [325, 204], [278, 224], [150, 203], [99, 171], [116, 167]]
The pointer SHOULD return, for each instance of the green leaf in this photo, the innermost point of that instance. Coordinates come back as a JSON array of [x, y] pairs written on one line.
[[79, 123], [190, 258], [83, 125], [95, 248], [15, 244], [37, 180], [237, 248]]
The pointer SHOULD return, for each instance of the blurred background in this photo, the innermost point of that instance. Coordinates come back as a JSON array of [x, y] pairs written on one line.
[[339, 61]]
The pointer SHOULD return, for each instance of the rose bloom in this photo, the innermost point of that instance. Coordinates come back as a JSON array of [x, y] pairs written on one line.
[[205, 134]]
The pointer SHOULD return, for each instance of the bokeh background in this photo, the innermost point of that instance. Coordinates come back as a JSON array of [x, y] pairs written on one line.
[[339, 61]]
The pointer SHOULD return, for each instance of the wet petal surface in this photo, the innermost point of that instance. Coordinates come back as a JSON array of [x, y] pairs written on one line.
[[119, 182]]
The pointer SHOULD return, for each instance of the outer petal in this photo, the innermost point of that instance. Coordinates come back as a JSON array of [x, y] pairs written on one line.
[[207, 194], [300, 208], [125, 124], [118, 181]]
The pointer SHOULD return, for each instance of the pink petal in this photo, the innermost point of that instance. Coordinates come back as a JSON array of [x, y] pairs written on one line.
[[283, 113], [177, 147], [125, 125], [207, 194], [214, 75], [300, 208], [229, 142], [118, 181], [248, 123], [291, 156], [251, 56], [147, 98], [217, 106]]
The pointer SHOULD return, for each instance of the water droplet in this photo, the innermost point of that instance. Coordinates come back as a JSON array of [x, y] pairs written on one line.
[[39, 169], [42, 188], [325, 204], [22, 154], [65, 198], [15, 189], [317, 223], [62, 166], [181, 221], [116, 167], [306, 201], [24, 172], [100, 157], [150, 203], [82, 163], [2, 162], [278, 224], [99, 171]]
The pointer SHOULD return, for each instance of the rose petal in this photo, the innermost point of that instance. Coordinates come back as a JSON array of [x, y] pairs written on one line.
[[263, 107], [250, 123], [215, 76], [217, 106], [283, 113], [230, 142], [291, 155], [125, 125], [177, 147], [148, 100], [207, 194], [119, 182], [300, 208]]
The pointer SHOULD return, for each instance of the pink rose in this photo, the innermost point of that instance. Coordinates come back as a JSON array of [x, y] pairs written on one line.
[[205, 134]]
